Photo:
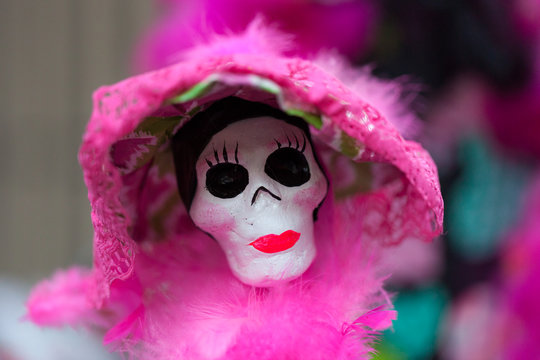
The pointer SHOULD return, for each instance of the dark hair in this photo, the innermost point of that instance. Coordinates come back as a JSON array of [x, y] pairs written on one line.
[[192, 138]]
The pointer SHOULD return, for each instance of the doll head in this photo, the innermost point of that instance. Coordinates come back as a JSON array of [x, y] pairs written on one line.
[[249, 178]]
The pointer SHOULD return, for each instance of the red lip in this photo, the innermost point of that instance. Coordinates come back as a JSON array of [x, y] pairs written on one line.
[[272, 243]]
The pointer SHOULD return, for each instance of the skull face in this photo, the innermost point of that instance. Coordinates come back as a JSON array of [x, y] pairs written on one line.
[[258, 185]]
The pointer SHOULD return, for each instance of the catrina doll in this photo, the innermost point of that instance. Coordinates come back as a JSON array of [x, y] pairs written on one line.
[[240, 201]]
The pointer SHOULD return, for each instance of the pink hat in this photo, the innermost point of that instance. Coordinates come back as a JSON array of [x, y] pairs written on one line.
[[127, 163]]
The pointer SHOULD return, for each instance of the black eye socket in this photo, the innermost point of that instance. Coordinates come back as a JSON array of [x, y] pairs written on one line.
[[288, 166], [226, 180]]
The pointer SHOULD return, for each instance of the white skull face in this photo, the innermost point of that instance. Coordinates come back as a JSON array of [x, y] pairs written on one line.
[[257, 186]]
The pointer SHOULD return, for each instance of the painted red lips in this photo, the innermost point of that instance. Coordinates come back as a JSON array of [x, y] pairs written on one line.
[[272, 243]]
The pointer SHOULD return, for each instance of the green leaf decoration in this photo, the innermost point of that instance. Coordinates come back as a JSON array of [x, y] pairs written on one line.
[[312, 119], [195, 92], [265, 84]]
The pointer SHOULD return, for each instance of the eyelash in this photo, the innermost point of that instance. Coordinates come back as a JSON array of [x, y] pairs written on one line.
[[290, 144], [225, 156]]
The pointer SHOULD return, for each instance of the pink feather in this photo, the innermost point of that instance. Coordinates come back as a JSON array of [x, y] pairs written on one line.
[[62, 300], [199, 310], [347, 26]]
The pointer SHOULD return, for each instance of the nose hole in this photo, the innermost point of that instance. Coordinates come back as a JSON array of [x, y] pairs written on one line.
[[262, 188]]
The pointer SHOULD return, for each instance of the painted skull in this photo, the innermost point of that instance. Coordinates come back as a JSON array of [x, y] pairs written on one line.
[[258, 185]]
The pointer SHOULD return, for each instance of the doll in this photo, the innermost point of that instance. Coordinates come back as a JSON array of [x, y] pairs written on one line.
[[240, 199]]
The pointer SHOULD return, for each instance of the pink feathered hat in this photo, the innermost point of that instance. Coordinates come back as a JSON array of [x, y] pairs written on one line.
[[390, 182]]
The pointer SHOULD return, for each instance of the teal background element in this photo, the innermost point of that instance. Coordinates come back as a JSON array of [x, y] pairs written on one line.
[[485, 200], [414, 335]]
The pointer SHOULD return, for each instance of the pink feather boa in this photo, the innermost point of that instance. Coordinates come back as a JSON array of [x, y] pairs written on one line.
[[184, 303]]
